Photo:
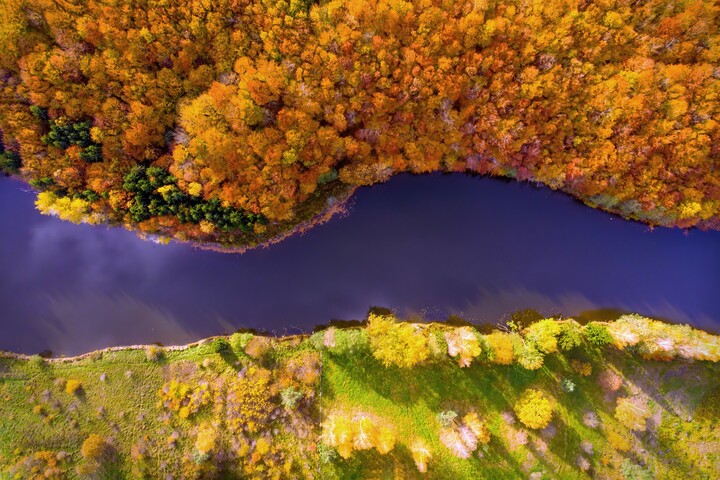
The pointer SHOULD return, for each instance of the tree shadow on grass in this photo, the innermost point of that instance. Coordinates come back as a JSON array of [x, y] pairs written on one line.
[[566, 442], [230, 358], [432, 384], [493, 453], [667, 452]]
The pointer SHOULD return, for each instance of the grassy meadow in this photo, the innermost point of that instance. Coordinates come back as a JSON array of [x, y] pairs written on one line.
[[345, 404]]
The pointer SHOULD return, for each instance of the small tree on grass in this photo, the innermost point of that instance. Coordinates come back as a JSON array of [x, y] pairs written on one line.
[[477, 427], [73, 387], [205, 442], [221, 345], [632, 471], [289, 397], [258, 347], [610, 380], [359, 433], [154, 353], [239, 341], [463, 437], [534, 409], [396, 344], [619, 439], [94, 448], [36, 361], [584, 369], [633, 413]]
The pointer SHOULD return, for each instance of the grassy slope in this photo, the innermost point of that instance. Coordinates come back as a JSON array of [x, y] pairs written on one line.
[[358, 382], [682, 439]]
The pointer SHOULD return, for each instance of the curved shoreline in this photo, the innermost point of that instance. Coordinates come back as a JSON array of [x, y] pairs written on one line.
[[325, 214], [339, 207]]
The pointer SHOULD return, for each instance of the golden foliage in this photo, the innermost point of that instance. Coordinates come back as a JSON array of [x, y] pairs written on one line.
[[421, 455], [248, 401], [633, 412], [42, 465], [206, 439], [264, 106], [73, 386], [184, 399], [75, 210], [360, 432], [534, 409], [94, 447], [402, 345], [501, 347]]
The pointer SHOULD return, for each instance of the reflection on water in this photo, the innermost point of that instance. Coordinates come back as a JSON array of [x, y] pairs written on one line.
[[432, 245], [498, 305]]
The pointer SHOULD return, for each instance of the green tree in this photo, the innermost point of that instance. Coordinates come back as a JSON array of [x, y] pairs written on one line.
[[544, 335], [597, 334], [570, 336]]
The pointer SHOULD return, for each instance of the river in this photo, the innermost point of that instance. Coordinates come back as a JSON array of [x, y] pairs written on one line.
[[423, 245]]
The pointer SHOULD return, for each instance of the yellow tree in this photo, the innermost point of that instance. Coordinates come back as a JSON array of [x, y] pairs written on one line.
[[501, 347], [402, 345], [534, 409]]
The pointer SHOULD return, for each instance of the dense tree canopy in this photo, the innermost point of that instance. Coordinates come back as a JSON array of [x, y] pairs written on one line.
[[258, 105]]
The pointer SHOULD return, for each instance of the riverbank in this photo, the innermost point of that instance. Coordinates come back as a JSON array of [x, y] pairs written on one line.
[[366, 402]]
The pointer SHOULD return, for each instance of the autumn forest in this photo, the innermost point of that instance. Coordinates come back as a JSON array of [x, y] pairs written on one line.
[[232, 122]]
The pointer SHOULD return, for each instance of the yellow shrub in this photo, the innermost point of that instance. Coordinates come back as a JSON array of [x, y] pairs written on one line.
[[207, 436], [248, 402], [94, 447], [73, 386]]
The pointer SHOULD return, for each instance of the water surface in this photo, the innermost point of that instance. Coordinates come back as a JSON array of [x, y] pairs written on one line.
[[431, 245]]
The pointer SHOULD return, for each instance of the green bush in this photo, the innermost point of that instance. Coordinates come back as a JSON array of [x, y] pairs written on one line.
[[238, 341], [597, 334], [10, 162], [632, 471], [567, 385], [220, 345], [36, 361], [570, 336], [289, 397], [154, 353], [447, 418]]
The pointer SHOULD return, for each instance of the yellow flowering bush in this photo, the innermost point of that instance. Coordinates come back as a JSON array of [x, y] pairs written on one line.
[[38, 466], [184, 399], [248, 403]]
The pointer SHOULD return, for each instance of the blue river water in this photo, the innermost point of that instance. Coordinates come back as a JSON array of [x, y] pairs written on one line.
[[429, 246]]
